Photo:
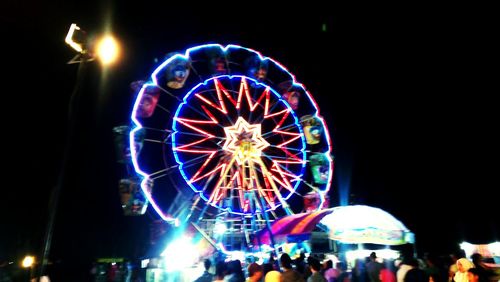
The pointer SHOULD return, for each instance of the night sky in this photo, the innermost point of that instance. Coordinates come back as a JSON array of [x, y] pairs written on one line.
[[407, 92]]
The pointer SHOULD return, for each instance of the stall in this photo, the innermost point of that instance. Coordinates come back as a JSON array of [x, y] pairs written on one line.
[[349, 231]]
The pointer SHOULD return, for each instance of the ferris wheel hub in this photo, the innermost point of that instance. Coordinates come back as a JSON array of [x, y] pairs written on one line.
[[244, 141]]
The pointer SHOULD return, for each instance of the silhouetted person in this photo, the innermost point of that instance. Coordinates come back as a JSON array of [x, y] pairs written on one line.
[[373, 268], [344, 275], [432, 268], [234, 272], [406, 265], [220, 271], [315, 267], [206, 276], [473, 274], [485, 273], [416, 275], [359, 271], [329, 272], [289, 274], [255, 272]]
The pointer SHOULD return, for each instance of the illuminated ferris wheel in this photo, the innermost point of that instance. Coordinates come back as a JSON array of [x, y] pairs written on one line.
[[229, 131]]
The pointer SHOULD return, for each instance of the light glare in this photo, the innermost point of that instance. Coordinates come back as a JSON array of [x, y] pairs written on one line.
[[179, 254], [107, 50], [28, 261]]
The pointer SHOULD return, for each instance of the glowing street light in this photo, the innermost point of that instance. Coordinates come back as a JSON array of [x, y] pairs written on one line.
[[28, 261], [107, 50]]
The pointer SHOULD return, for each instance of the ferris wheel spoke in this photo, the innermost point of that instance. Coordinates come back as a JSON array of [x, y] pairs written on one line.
[[257, 99], [272, 179], [292, 149], [283, 180], [310, 185], [197, 176], [196, 72], [194, 161], [284, 159], [270, 107], [216, 194], [262, 191], [207, 115], [192, 134], [161, 173], [282, 130], [252, 103], [281, 161], [153, 141], [193, 147], [283, 171], [163, 108], [168, 93], [219, 104], [170, 115]]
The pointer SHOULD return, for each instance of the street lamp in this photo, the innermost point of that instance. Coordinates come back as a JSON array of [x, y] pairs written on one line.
[[105, 48], [107, 52], [29, 262]]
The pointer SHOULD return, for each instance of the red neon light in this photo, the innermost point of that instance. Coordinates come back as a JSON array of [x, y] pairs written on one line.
[[208, 173], [187, 122], [220, 88], [266, 107], [275, 114], [267, 195], [297, 136], [182, 148], [282, 120], [285, 182], [209, 114], [244, 91], [221, 108], [299, 160], [291, 175]]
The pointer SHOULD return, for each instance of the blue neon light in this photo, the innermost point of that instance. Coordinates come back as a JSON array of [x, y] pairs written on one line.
[[185, 102]]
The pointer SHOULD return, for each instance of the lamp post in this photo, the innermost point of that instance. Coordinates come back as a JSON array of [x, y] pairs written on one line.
[[29, 262], [107, 52]]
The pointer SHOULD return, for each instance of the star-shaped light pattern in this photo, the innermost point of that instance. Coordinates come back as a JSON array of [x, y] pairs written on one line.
[[244, 141], [237, 146]]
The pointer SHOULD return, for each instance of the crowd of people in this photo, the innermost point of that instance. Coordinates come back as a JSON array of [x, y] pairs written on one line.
[[455, 268]]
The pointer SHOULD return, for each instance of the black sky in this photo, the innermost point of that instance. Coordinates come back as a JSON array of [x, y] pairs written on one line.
[[407, 91]]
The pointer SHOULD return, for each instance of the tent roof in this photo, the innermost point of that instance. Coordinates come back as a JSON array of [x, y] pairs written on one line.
[[292, 225], [365, 224], [346, 224]]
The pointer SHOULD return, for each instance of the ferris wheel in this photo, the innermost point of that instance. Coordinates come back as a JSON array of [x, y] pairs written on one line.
[[222, 132]]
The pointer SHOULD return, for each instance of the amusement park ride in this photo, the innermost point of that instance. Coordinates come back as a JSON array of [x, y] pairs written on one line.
[[227, 141]]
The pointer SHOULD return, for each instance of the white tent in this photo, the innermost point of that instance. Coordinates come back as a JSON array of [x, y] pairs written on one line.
[[364, 224]]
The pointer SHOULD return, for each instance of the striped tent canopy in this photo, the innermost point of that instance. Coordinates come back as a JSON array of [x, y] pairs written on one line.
[[292, 228], [347, 224]]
